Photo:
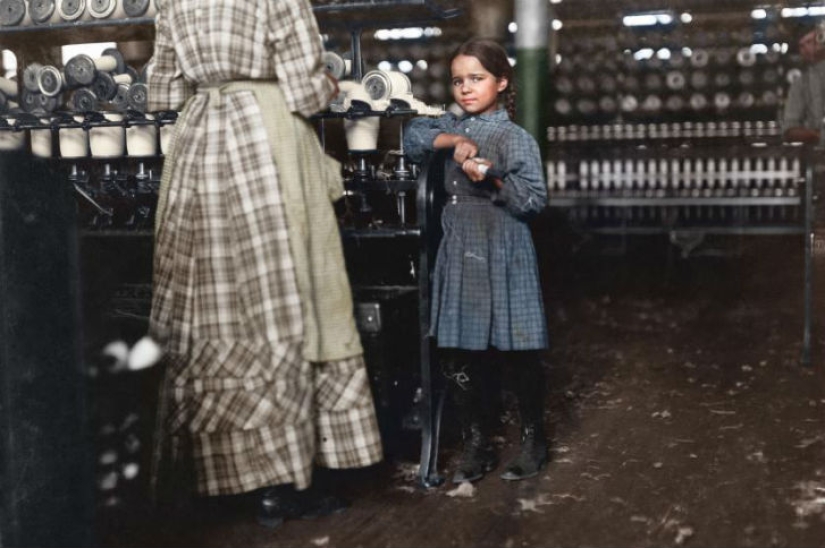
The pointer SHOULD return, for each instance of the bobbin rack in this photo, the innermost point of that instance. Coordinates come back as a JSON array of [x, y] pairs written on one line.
[[686, 181], [86, 119], [84, 123], [88, 116]]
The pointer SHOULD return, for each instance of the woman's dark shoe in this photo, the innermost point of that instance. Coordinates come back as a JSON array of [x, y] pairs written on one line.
[[283, 502], [277, 504], [477, 458], [317, 505], [532, 457]]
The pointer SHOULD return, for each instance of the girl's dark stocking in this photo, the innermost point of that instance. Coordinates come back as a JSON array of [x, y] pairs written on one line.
[[529, 385], [465, 371]]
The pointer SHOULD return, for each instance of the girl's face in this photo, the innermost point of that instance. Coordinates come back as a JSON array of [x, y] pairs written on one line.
[[475, 89]]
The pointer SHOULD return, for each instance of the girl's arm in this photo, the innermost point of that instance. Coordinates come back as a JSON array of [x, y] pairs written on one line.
[[425, 135], [523, 191]]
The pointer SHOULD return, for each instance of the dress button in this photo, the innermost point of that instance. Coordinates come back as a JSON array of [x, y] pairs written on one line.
[[455, 182], [466, 130]]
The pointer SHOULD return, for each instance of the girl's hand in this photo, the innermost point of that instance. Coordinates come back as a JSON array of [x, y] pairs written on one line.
[[464, 149], [472, 167]]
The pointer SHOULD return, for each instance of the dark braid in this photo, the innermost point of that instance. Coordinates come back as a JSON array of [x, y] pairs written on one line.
[[510, 100], [493, 58]]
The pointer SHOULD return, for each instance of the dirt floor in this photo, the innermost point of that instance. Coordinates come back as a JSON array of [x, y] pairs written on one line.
[[680, 416]]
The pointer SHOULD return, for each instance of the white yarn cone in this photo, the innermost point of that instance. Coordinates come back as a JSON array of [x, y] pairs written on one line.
[[144, 354]]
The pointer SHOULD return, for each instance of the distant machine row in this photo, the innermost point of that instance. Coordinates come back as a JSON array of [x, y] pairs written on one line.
[[747, 130], [721, 175], [673, 72]]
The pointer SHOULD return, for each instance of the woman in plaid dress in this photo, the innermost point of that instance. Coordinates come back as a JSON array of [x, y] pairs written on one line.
[[244, 407], [486, 292]]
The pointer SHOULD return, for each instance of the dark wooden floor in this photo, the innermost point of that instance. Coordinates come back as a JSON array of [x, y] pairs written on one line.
[[680, 412]]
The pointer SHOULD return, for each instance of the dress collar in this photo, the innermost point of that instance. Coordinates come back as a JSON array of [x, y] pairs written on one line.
[[495, 116]]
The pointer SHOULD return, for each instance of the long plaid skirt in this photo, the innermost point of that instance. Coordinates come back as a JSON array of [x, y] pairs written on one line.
[[241, 407]]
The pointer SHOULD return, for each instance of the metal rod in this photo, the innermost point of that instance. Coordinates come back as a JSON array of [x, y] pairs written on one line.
[[92, 201], [809, 236], [357, 68]]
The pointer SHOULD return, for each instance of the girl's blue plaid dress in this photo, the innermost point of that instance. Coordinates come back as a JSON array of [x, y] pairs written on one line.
[[486, 290]]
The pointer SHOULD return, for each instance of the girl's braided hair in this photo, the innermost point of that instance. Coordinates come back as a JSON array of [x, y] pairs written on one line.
[[493, 58]]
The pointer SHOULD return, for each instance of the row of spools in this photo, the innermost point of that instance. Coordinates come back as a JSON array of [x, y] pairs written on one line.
[[692, 84], [15, 13], [84, 84], [774, 175], [749, 130], [676, 219], [678, 37], [652, 105], [106, 113], [90, 107], [670, 74], [722, 58], [95, 135], [654, 82]]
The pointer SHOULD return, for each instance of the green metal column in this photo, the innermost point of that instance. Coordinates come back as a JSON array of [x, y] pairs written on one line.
[[532, 66]]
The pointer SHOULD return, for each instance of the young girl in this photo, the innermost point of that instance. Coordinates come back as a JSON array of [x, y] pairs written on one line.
[[486, 293]]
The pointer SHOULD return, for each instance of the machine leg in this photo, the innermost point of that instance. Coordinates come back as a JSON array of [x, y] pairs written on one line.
[[430, 434]]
